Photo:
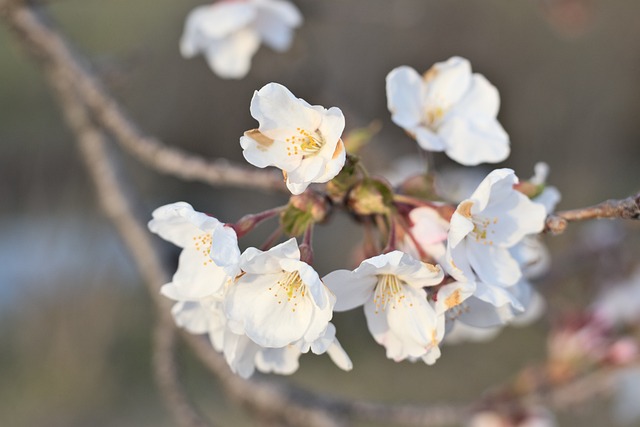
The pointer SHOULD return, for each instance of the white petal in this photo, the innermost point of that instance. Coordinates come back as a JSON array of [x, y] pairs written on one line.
[[549, 198], [198, 276], [179, 223], [493, 264], [240, 353], [275, 107], [495, 186], [351, 290], [224, 249], [448, 81], [428, 140], [275, 22], [482, 99], [270, 318], [331, 128], [191, 316], [453, 294], [231, 58], [308, 170], [474, 140], [404, 97], [220, 19], [256, 261], [334, 165], [497, 296], [282, 361], [339, 356], [459, 228], [275, 154], [285, 11]]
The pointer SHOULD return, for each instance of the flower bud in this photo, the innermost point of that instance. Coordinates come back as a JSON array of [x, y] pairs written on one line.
[[302, 211], [370, 197], [339, 186]]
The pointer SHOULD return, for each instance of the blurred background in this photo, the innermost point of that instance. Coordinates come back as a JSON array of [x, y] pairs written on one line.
[[74, 317]]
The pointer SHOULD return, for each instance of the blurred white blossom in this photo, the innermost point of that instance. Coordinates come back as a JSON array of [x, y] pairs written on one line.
[[229, 32], [449, 109], [301, 139]]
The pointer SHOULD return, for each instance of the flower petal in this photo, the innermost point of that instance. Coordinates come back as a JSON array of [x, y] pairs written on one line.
[[231, 59], [493, 264], [179, 223], [276, 108], [474, 140], [269, 317], [351, 290], [404, 97]]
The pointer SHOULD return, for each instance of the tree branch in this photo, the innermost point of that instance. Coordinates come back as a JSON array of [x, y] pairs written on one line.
[[628, 208], [92, 145], [48, 45]]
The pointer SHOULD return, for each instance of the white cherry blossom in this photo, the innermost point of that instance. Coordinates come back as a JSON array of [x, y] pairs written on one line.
[[228, 32], [301, 139], [487, 224], [399, 316], [449, 109], [210, 252], [278, 300]]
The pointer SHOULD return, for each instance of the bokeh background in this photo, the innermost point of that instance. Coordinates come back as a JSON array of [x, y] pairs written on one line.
[[74, 317]]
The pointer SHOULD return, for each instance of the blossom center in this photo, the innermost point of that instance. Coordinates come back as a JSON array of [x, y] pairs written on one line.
[[388, 292], [433, 116], [304, 142], [482, 229], [290, 286], [202, 243]]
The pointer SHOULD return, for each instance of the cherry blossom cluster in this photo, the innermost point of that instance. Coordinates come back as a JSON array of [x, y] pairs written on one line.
[[435, 266]]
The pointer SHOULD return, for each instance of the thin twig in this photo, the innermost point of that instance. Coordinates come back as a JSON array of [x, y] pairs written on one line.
[[628, 208], [47, 43]]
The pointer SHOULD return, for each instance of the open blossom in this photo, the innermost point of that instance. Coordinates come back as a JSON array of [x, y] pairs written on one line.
[[449, 109], [228, 33], [210, 252], [487, 224], [209, 266], [301, 139], [278, 300], [399, 316]]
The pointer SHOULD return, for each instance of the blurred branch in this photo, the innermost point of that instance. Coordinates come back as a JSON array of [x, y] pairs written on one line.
[[92, 144], [48, 45], [628, 208]]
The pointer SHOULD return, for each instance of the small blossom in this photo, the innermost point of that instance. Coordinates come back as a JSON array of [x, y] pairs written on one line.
[[229, 32], [399, 316], [428, 234], [449, 109], [619, 304], [278, 300], [301, 139], [210, 252], [486, 225]]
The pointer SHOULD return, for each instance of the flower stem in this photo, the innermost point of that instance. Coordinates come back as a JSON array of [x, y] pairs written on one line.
[[268, 244], [306, 247], [249, 222], [392, 239]]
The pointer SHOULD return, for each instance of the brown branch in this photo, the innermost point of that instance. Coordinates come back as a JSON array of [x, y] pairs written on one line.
[[48, 45], [92, 145], [628, 208]]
